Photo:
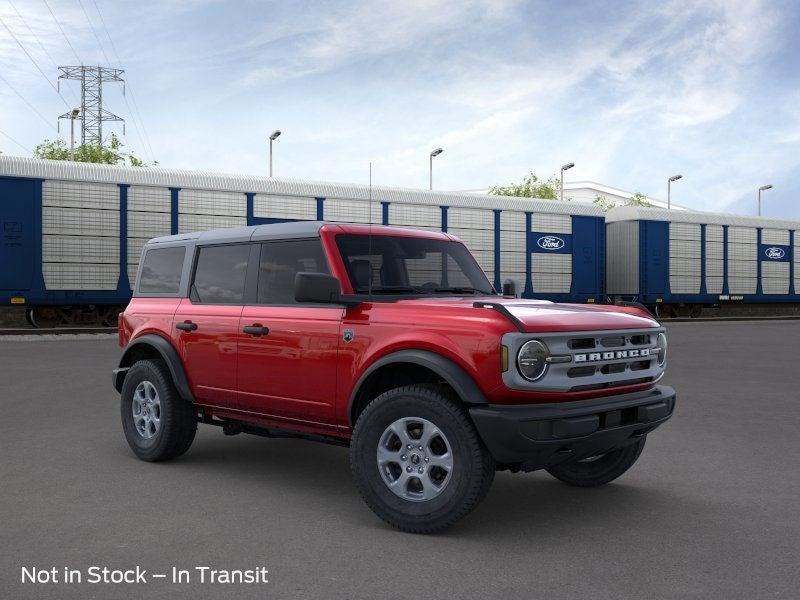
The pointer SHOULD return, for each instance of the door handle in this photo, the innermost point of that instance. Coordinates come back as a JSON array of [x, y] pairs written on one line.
[[256, 329], [186, 326]]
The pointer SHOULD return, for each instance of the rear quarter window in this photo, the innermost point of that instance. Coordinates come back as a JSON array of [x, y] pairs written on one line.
[[161, 270]]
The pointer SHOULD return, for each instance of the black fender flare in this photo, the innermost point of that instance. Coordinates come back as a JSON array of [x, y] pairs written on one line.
[[167, 352], [461, 382]]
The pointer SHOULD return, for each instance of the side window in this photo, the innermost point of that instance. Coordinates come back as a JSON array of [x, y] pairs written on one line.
[[220, 274], [281, 261], [161, 270]]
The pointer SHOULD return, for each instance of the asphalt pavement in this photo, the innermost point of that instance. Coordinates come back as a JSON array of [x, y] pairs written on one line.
[[711, 510]]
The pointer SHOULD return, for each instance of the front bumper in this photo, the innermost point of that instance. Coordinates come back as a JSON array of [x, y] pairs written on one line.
[[539, 436]]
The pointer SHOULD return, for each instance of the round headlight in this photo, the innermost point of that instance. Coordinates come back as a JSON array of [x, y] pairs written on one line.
[[531, 360], [662, 349]]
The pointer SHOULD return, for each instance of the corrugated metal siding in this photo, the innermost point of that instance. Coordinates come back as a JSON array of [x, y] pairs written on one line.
[[476, 228], [775, 277], [212, 202], [415, 215], [622, 257], [149, 216], [551, 273], [549, 223], [684, 258], [353, 211], [159, 177], [284, 207], [742, 260], [81, 219], [635, 213]]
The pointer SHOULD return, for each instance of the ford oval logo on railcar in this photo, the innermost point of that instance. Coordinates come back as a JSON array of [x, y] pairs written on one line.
[[775, 253], [550, 242]]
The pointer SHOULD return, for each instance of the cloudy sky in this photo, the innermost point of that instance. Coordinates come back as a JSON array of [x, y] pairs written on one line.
[[632, 92]]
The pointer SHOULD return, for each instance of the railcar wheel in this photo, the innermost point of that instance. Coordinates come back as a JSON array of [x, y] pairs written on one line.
[[45, 317]]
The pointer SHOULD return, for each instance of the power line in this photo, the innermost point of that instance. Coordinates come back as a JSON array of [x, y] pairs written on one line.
[[66, 39], [38, 41], [135, 115], [31, 106], [16, 142], [96, 37], [33, 60]]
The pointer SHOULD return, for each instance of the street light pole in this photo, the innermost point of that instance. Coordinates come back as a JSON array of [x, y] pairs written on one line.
[[762, 189], [272, 138], [669, 189], [436, 152], [72, 116], [564, 168]]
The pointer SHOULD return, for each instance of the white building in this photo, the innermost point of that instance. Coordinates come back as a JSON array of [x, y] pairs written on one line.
[[588, 191]]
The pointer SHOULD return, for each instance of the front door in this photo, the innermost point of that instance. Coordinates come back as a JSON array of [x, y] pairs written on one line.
[[207, 323], [288, 351]]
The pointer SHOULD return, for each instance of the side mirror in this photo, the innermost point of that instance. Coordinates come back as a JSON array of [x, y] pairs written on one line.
[[318, 288], [509, 288]]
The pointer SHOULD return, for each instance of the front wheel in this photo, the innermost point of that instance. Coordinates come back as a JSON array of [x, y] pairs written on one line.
[[417, 460], [598, 470]]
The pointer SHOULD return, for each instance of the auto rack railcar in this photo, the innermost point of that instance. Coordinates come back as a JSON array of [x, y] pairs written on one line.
[[675, 261], [73, 232]]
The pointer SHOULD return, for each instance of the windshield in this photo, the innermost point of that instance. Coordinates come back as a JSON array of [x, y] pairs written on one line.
[[410, 265]]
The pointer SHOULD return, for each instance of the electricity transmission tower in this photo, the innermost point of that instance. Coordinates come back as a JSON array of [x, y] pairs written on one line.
[[92, 114]]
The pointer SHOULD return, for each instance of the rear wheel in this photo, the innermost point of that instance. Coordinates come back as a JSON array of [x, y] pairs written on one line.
[[598, 470], [417, 460], [158, 423]]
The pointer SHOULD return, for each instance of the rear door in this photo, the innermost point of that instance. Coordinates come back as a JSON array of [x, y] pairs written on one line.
[[207, 323], [288, 351], [17, 243]]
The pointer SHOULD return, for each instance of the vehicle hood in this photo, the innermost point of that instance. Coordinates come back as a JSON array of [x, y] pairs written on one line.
[[543, 316]]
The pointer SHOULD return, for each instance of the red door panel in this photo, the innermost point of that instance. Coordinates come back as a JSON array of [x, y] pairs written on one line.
[[209, 351], [290, 373]]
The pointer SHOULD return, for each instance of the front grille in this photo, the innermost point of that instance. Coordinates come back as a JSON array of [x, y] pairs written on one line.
[[590, 360]]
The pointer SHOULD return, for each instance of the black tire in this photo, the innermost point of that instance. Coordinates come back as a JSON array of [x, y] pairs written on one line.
[[472, 472], [594, 472], [178, 418]]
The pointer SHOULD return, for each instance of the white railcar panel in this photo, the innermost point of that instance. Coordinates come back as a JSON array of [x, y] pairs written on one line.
[[684, 231], [149, 224], [684, 248], [513, 241], [470, 218], [149, 199], [551, 263], [80, 194], [486, 261], [188, 223], [714, 285], [684, 266], [415, 215], [551, 223], [475, 239], [552, 283], [512, 220], [714, 233], [714, 250], [80, 276], [775, 277], [742, 268], [284, 207], [353, 211], [775, 236], [715, 267], [80, 249], [741, 285], [512, 261], [211, 202], [742, 235], [684, 284], [77, 221]]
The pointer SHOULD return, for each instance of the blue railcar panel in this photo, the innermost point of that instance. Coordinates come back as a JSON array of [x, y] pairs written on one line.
[[653, 260], [18, 254], [588, 260]]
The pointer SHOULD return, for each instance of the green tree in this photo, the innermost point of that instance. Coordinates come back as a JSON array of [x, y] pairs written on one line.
[[531, 187], [638, 199], [112, 153]]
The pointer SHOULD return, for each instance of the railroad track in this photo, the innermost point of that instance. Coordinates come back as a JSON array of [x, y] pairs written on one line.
[[56, 330]]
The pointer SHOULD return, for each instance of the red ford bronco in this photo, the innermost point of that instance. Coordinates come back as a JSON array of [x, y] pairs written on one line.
[[391, 341]]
